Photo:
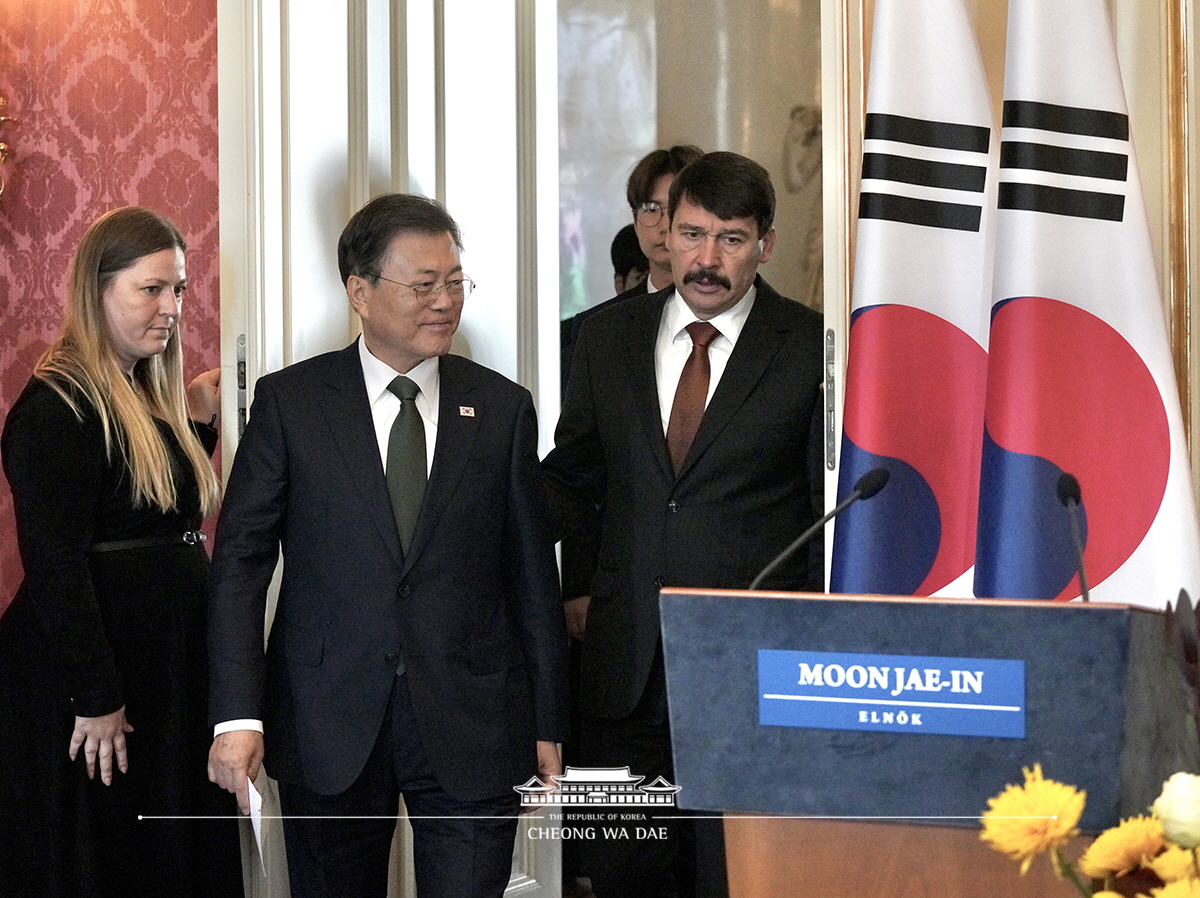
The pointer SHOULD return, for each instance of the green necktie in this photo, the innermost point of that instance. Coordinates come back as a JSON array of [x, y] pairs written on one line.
[[406, 472]]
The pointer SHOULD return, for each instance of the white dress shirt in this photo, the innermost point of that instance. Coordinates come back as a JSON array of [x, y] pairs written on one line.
[[385, 405], [675, 345], [652, 287]]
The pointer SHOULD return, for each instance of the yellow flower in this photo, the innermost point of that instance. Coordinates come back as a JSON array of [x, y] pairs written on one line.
[[1118, 850], [1024, 821], [1181, 888], [1107, 894], [1173, 864]]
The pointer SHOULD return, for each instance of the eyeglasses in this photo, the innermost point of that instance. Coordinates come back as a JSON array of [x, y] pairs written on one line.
[[456, 288], [649, 214]]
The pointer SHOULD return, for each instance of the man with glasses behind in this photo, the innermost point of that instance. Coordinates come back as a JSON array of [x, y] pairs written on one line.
[[646, 190], [418, 643]]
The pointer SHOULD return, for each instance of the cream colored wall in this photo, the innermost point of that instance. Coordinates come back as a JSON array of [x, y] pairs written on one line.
[[722, 74], [730, 74], [1189, 219]]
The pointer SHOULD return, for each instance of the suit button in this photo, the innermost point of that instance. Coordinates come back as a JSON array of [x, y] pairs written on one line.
[[673, 506], [391, 659], [659, 582], [403, 591]]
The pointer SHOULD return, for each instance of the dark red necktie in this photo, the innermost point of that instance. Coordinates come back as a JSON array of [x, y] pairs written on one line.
[[690, 395]]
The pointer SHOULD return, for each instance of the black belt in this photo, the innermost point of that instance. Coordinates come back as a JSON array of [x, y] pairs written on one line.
[[187, 538]]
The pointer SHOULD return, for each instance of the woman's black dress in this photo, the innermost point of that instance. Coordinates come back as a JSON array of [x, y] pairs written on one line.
[[88, 632]]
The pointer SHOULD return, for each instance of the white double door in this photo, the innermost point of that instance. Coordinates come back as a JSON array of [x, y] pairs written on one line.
[[324, 105]]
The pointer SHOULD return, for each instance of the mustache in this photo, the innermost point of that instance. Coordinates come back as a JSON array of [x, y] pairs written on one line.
[[708, 277]]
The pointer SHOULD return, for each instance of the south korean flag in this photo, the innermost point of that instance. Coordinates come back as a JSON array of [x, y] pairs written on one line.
[[1080, 375]]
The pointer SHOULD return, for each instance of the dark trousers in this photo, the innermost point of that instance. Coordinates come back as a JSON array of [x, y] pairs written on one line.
[[461, 849], [690, 861]]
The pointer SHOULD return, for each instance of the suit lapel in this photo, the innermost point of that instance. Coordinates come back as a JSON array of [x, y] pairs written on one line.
[[347, 408], [760, 340], [639, 344], [456, 432]]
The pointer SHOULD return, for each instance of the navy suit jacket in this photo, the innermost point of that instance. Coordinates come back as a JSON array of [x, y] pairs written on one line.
[[751, 483], [474, 607]]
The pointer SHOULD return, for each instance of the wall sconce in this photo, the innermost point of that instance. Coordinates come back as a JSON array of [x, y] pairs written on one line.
[[5, 149]]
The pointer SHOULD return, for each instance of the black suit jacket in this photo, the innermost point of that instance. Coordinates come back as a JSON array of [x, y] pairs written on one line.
[[750, 484], [474, 606], [569, 328], [580, 547]]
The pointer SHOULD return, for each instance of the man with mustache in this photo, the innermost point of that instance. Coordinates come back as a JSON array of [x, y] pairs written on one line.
[[693, 415]]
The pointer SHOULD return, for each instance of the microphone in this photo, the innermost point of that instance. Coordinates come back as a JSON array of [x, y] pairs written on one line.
[[1070, 496], [871, 482], [864, 488]]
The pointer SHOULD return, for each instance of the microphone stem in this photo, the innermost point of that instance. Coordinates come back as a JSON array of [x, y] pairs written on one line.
[[1077, 539], [802, 539]]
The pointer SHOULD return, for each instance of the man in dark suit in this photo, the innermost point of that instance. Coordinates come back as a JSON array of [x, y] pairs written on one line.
[[647, 190], [630, 265], [693, 416], [418, 643]]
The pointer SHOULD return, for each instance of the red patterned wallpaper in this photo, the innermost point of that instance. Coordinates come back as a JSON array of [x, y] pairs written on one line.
[[116, 102]]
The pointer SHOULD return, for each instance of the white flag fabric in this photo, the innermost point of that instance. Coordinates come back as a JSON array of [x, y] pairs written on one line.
[[917, 347], [1080, 378]]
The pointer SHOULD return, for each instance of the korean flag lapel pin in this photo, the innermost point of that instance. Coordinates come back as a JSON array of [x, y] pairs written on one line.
[[466, 411]]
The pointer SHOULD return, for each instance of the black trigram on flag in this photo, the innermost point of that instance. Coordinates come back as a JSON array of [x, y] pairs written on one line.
[[1064, 160], [923, 173]]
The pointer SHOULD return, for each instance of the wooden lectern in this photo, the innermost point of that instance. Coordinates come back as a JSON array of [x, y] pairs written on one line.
[[853, 741]]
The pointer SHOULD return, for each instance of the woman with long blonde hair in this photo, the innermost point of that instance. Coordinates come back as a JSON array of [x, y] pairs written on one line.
[[103, 674]]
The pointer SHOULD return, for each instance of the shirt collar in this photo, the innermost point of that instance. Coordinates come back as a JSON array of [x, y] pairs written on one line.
[[378, 375], [729, 323], [652, 287]]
